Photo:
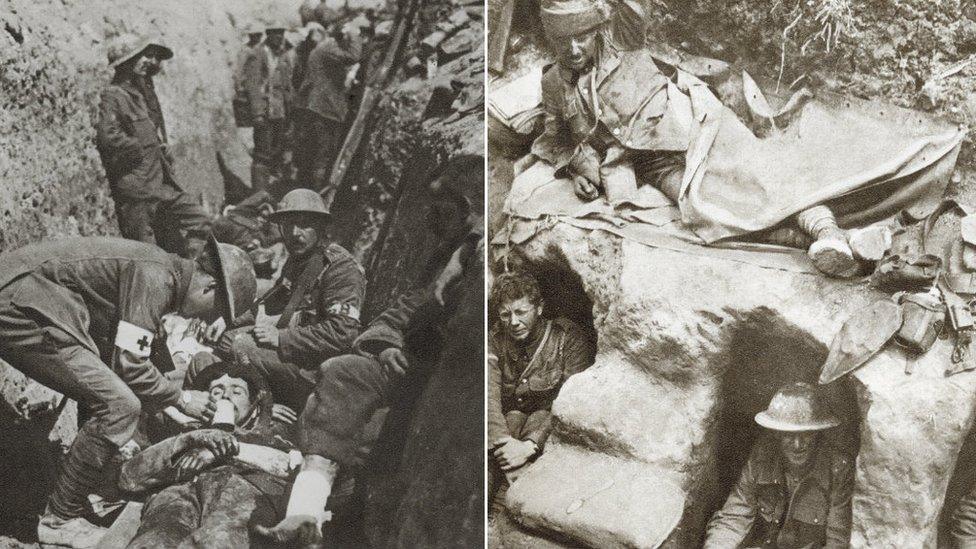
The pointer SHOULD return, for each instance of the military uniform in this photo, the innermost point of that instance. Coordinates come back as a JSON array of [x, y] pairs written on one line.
[[764, 511], [317, 299], [620, 122], [324, 106], [525, 380], [963, 530], [150, 204], [352, 388], [80, 315], [268, 88]]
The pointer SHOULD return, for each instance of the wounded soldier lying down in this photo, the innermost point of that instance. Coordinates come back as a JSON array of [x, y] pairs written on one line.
[[215, 486]]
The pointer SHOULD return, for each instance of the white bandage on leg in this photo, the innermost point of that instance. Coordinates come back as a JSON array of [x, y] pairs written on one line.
[[310, 493]]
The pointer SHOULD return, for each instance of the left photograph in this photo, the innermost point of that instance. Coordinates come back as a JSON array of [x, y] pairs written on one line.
[[242, 274]]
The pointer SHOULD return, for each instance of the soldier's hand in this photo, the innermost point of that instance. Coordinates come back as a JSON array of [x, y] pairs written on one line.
[[283, 414], [197, 404], [451, 272], [220, 443], [192, 462], [584, 188], [267, 335], [214, 331], [393, 357], [514, 453], [302, 530]]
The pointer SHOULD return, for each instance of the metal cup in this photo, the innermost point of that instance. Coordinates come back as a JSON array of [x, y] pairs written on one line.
[[223, 417]]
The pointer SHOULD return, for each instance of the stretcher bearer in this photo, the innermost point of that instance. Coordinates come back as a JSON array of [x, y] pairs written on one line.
[[80, 315]]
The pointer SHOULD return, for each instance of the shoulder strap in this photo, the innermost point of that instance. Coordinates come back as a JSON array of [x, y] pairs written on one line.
[[306, 280]]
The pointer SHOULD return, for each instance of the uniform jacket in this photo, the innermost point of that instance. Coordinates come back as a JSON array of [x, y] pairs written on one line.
[[622, 103], [270, 93], [521, 388], [323, 90], [87, 286], [129, 136], [326, 320], [761, 512]]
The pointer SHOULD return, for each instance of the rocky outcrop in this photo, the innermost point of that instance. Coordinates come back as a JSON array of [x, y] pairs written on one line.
[[690, 346]]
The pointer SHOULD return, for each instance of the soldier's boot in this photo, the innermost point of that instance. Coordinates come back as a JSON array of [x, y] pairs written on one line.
[[62, 525], [77, 533], [830, 252], [790, 237]]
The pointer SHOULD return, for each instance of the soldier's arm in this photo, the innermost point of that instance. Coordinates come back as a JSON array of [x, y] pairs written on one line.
[[157, 465], [497, 426], [577, 356], [108, 129], [387, 330], [145, 292], [337, 326], [554, 144], [839, 515], [731, 524]]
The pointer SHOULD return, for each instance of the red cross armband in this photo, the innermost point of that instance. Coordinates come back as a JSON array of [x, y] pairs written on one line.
[[133, 339], [344, 309]]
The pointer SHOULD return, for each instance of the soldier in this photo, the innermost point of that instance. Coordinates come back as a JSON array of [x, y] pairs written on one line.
[[267, 86], [531, 359], [254, 35], [314, 305], [404, 340], [610, 121], [131, 140], [325, 104], [794, 491], [80, 315]]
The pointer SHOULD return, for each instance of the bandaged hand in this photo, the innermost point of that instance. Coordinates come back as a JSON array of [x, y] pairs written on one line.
[[302, 530]]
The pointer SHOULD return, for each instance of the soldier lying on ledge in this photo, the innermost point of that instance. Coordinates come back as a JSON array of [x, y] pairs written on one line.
[[794, 491], [215, 484]]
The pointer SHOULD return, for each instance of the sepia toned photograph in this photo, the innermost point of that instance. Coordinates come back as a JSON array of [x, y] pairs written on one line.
[[731, 263], [242, 274]]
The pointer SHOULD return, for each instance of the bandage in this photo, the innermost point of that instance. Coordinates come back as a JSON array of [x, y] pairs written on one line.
[[309, 495]]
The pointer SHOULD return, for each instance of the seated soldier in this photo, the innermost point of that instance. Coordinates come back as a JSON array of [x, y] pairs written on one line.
[[405, 341], [531, 359], [215, 484], [314, 306], [615, 119], [794, 491]]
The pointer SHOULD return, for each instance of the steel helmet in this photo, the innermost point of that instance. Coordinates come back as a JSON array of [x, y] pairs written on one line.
[[796, 407], [235, 276], [301, 201], [127, 46]]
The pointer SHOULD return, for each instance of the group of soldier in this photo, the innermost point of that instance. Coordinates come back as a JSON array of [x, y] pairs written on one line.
[[260, 440]]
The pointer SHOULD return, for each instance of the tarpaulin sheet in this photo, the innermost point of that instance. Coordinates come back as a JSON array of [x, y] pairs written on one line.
[[867, 160], [538, 200]]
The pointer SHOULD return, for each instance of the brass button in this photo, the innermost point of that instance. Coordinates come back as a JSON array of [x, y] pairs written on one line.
[[616, 131], [629, 143]]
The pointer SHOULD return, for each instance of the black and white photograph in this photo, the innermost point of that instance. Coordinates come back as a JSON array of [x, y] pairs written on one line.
[[731, 274], [242, 274]]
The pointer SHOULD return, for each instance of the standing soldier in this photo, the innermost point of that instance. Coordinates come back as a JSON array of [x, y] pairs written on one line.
[[326, 105], [242, 108], [131, 139], [267, 85], [80, 315], [313, 307], [794, 490]]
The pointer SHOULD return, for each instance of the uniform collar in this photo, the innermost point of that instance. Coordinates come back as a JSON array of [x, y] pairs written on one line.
[[773, 471]]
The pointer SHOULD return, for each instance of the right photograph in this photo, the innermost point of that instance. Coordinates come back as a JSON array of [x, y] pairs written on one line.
[[732, 274]]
